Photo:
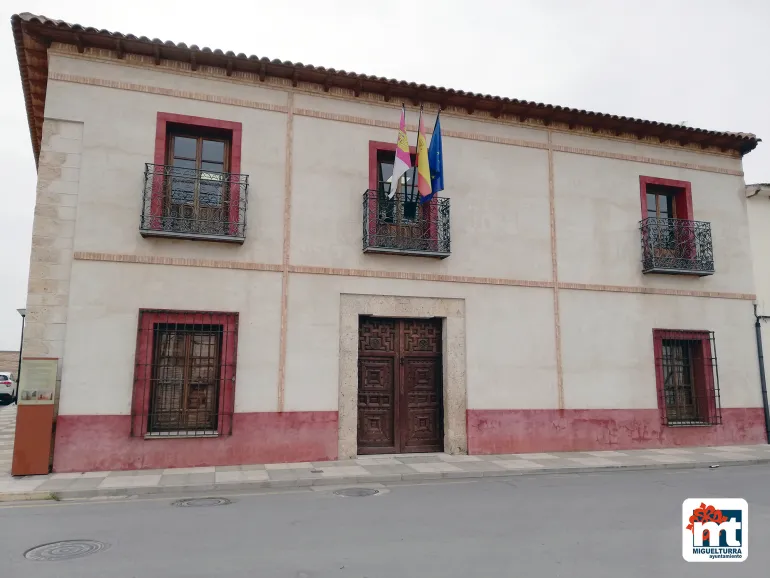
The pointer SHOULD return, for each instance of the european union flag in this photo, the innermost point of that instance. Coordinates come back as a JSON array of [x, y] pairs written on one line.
[[435, 162]]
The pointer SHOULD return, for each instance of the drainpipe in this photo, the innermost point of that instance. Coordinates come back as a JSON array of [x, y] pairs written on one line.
[[762, 377]]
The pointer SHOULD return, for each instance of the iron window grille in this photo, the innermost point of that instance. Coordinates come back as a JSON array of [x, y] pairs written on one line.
[[193, 203], [687, 377], [184, 379], [676, 246], [402, 225]]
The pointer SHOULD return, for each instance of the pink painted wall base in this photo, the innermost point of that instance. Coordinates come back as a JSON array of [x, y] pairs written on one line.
[[530, 431], [103, 442]]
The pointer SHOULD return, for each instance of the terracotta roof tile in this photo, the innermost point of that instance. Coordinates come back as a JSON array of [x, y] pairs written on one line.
[[47, 30]]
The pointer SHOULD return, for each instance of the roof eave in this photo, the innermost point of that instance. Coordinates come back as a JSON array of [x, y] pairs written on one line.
[[18, 36], [46, 31]]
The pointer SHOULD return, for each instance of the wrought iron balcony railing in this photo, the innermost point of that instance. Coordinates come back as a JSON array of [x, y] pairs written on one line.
[[676, 246], [193, 204], [403, 226]]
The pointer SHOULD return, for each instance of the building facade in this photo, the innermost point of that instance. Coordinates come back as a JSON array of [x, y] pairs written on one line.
[[219, 269], [758, 201]]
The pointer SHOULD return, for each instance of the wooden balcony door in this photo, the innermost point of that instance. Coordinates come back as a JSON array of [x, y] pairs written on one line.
[[400, 391], [197, 195], [401, 221]]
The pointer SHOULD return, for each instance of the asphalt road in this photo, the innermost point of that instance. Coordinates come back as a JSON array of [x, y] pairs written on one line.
[[589, 525]]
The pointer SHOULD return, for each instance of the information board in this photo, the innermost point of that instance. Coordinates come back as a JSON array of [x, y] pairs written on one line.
[[38, 381]]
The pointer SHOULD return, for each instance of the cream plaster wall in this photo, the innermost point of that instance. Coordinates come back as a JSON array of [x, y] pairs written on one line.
[[101, 334], [758, 211], [119, 138], [509, 339], [617, 146], [499, 193], [500, 228], [597, 222], [499, 198], [389, 112], [607, 347], [178, 79]]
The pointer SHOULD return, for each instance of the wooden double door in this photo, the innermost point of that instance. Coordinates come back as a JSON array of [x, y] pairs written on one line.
[[400, 401]]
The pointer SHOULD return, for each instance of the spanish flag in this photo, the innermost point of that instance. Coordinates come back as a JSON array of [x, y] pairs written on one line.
[[423, 167]]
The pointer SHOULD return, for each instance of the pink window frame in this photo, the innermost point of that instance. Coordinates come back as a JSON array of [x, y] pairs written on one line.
[[161, 147], [145, 348], [683, 197], [431, 207], [704, 373]]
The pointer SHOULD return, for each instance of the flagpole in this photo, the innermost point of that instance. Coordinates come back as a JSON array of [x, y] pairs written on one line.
[[417, 158], [435, 124]]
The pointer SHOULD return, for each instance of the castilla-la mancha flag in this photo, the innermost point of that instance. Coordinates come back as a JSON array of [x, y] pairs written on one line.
[[423, 167], [403, 160]]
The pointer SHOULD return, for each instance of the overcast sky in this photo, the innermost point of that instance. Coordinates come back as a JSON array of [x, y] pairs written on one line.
[[703, 62]]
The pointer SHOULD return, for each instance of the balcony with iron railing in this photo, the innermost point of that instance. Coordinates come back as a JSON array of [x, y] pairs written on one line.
[[403, 226], [193, 204], [676, 246]]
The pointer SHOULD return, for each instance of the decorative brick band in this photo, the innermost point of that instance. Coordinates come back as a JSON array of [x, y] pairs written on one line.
[[657, 291], [369, 273], [413, 127], [310, 270], [383, 124], [555, 275], [336, 93], [177, 261], [166, 92], [286, 251], [646, 160]]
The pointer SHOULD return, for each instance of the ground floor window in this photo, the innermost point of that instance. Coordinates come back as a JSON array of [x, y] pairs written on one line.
[[687, 377], [185, 373]]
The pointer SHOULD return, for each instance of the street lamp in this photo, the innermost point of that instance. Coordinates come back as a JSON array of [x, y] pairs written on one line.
[[23, 313]]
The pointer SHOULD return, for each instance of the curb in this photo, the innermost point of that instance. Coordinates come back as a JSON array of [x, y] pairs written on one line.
[[29, 496], [392, 479]]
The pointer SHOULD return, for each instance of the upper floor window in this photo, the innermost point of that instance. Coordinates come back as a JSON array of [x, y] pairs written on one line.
[[194, 188], [407, 189], [394, 219], [198, 161], [661, 202], [672, 242]]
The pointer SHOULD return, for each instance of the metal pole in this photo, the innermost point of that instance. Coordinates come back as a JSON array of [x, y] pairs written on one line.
[[18, 371], [762, 377]]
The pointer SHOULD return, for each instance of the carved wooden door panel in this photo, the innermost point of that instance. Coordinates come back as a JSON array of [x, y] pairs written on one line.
[[400, 406], [377, 376], [421, 405]]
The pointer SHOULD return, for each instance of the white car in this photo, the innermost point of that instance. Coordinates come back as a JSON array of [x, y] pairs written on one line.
[[7, 388]]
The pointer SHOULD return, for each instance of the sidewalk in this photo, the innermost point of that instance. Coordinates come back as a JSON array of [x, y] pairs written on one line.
[[369, 469], [7, 432]]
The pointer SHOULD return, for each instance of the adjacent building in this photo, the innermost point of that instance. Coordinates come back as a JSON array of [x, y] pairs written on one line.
[[758, 196], [9, 361], [219, 267]]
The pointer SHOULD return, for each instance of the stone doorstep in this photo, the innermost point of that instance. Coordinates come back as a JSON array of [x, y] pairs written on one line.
[[390, 479]]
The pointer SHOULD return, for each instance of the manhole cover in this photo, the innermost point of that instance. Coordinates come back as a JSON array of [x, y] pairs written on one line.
[[64, 550], [202, 502], [356, 492]]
